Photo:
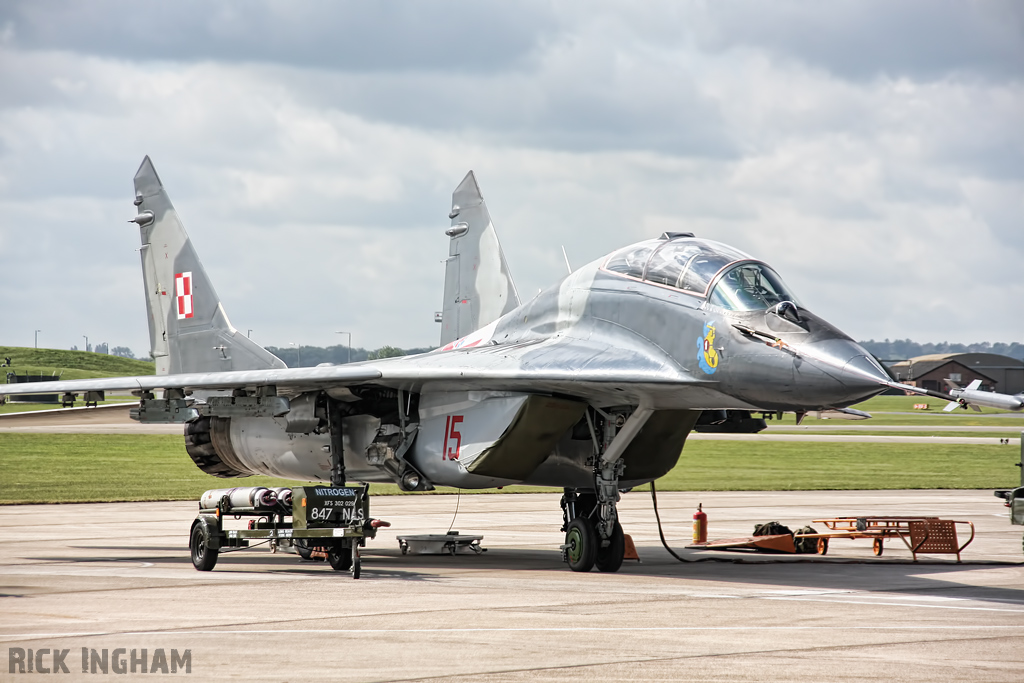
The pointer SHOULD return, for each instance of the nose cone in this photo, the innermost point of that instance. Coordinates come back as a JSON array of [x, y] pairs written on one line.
[[860, 375]]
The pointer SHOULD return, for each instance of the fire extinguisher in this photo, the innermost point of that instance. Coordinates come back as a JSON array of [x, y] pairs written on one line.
[[700, 526]]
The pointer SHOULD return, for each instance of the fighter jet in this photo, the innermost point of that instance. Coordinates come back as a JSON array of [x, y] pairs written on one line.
[[591, 387]]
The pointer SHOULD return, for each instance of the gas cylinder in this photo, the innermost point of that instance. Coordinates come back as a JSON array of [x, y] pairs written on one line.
[[700, 526], [251, 496]]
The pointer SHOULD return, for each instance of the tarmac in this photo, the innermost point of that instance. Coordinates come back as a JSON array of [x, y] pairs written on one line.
[[109, 576]]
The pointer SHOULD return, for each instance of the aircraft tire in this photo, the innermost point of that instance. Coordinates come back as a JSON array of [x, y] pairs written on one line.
[[581, 541], [340, 559], [610, 559], [204, 558]]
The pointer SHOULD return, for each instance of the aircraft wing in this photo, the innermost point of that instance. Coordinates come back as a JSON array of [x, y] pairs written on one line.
[[588, 369]]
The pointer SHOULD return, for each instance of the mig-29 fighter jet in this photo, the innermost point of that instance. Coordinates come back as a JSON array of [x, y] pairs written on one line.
[[591, 387]]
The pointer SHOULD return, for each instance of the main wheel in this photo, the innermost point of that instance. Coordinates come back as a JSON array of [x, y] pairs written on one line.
[[877, 547], [581, 540], [204, 558], [340, 559], [609, 559]]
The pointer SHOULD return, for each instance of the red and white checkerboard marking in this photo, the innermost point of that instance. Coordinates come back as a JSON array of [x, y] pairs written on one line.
[[183, 291]]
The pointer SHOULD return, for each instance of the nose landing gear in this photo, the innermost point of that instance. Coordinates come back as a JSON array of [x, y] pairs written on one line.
[[593, 535]]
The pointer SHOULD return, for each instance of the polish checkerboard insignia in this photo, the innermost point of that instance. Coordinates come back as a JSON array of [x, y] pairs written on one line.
[[183, 291]]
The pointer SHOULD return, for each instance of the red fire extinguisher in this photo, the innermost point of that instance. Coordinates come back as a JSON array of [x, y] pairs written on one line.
[[700, 526]]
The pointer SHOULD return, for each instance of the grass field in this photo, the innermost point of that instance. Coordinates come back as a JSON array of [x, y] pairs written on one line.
[[70, 364], [10, 407], [40, 468], [905, 404], [49, 468], [988, 433]]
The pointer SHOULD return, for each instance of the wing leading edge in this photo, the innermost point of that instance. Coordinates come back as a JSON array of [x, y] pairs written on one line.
[[597, 371]]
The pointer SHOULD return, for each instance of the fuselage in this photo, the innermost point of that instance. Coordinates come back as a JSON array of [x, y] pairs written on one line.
[[699, 326]]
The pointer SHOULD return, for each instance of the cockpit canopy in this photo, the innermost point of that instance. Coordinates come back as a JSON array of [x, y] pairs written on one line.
[[693, 266]]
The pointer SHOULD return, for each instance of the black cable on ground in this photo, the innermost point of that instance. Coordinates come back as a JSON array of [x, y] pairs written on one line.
[[458, 499], [815, 560]]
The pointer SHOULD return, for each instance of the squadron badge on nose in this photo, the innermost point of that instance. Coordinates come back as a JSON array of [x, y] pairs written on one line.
[[707, 356]]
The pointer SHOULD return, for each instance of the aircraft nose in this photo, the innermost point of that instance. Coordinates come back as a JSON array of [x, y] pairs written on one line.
[[857, 369]]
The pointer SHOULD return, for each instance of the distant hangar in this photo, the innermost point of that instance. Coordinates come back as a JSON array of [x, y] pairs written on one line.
[[997, 373]]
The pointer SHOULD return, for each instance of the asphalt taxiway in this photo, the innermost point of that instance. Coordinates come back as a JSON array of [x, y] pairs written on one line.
[[119, 576]]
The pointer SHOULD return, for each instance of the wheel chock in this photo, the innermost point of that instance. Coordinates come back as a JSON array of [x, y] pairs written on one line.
[[630, 551]]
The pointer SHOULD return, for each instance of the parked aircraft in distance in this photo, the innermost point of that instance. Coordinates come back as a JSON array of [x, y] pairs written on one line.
[[591, 387]]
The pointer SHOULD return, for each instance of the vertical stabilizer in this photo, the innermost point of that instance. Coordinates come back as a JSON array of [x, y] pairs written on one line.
[[478, 287], [188, 328]]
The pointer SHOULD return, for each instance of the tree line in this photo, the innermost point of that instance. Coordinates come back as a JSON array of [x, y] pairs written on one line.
[[902, 349], [311, 356]]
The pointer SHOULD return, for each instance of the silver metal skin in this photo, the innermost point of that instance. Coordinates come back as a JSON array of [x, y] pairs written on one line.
[[252, 496], [478, 287], [199, 338]]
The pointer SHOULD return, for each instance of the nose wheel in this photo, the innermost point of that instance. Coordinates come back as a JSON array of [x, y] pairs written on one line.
[[609, 558], [581, 545], [584, 548]]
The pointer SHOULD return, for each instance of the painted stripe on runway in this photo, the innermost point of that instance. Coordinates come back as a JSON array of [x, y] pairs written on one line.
[[898, 604], [531, 629]]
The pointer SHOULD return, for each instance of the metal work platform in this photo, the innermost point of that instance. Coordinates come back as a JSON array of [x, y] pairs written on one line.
[[926, 535]]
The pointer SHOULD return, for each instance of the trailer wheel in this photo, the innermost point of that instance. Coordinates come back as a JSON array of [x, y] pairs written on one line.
[[340, 558], [357, 564], [822, 546], [204, 558], [876, 547], [303, 549]]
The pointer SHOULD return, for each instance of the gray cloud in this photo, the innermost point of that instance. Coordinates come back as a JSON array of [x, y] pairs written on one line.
[[316, 186], [454, 35], [919, 39]]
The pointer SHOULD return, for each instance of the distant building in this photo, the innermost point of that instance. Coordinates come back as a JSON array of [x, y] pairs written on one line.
[[997, 373]]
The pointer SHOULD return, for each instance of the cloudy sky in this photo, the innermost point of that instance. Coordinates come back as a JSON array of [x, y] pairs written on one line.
[[872, 152]]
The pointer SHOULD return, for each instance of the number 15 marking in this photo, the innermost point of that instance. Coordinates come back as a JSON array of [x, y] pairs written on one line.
[[451, 433]]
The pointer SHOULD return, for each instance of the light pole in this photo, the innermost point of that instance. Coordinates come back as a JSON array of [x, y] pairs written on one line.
[[86, 341], [37, 338], [298, 354], [348, 349]]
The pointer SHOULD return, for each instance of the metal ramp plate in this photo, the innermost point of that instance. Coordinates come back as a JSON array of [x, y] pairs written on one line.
[[440, 544]]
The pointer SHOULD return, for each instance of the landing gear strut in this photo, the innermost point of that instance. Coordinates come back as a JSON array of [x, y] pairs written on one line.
[[593, 535]]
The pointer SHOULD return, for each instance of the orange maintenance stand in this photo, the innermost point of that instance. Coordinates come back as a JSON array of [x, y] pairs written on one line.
[[928, 535]]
